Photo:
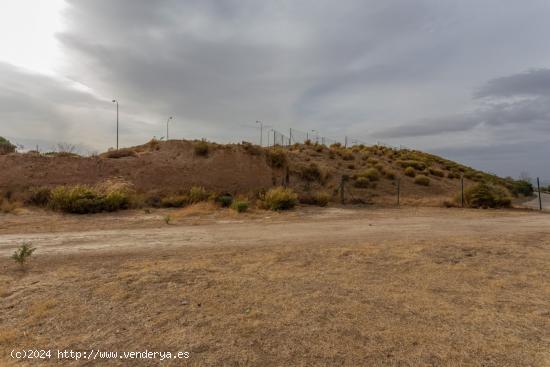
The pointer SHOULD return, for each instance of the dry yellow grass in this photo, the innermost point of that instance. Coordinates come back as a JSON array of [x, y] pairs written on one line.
[[408, 302]]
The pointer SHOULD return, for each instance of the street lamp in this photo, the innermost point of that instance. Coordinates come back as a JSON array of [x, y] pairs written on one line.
[[167, 121], [115, 101], [316, 135], [261, 131]]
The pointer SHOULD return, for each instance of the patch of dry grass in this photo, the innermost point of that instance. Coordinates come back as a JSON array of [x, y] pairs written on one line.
[[402, 303]]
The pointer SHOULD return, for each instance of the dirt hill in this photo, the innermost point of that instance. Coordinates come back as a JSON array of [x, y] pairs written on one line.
[[369, 174]]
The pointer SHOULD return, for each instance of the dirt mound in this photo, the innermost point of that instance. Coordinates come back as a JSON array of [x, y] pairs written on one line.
[[367, 174]]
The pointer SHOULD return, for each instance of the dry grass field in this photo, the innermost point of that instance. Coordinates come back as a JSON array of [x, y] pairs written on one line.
[[323, 287]]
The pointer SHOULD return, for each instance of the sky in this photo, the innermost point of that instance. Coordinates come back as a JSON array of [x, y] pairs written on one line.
[[465, 79]]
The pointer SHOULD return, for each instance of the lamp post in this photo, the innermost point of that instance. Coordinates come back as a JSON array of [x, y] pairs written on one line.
[[316, 135], [261, 131], [115, 101], [167, 121]]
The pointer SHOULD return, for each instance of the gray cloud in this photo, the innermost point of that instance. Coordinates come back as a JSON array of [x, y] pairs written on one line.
[[406, 69]]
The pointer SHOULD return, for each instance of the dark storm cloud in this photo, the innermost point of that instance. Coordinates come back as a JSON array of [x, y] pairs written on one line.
[[521, 100], [407, 69]]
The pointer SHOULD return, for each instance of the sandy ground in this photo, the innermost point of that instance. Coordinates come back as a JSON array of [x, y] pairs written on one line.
[[313, 287], [136, 230]]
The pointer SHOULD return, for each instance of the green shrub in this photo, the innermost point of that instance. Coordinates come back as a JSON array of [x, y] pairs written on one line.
[[198, 194], [484, 195], [240, 206], [410, 171], [23, 253], [310, 173], [362, 182], [251, 148], [6, 147], [436, 172], [319, 198], [225, 200], [82, 199], [417, 165], [280, 198], [522, 187], [201, 148], [371, 174], [175, 201], [422, 180], [276, 158]]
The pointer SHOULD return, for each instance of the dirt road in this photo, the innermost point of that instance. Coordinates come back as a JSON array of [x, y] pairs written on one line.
[[302, 227]]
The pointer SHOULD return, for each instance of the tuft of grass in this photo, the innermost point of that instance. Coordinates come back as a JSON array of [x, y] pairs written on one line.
[[7, 206], [410, 171], [280, 198], [417, 165], [167, 219], [240, 206], [23, 254], [198, 194], [39, 196], [201, 148], [422, 180]]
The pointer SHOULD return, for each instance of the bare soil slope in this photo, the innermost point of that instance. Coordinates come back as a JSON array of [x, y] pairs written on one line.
[[371, 174]]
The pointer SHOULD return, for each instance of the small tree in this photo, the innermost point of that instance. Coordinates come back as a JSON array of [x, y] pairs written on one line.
[[23, 253]]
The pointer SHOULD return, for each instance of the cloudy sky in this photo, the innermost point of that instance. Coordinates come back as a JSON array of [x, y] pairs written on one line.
[[467, 79]]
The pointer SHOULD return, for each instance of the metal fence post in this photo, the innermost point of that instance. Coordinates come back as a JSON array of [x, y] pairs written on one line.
[[462, 191], [342, 195], [398, 190], [540, 199]]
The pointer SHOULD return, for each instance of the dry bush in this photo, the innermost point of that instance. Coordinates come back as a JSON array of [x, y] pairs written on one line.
[[452, 175], [371, 174], [318, 198], [409, 171], [198, 194], [362, 183], [436, 172], [346, 155], [39, 196], [121, 153], [412, 163], [201, 148], [310, 173], [484, 195], [7, 206], [422, 180], [276, 158], [280, 198], [389, 175], [251, 148], [109, 196], [175, 201]]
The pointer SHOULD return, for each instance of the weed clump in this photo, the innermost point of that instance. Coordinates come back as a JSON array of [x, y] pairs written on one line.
[[310, 173], [436, 172], [280, 198], [121, 153], [417, 165], [410, 171], [422, 180], [225, 200], [240, 206], [198, 194], [371, 174], [82, 199]]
